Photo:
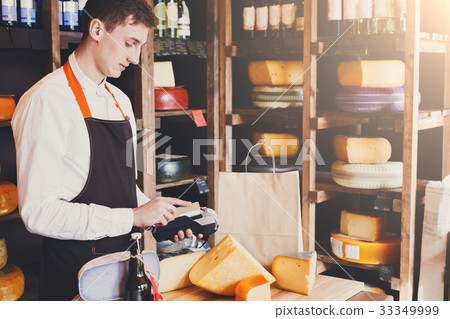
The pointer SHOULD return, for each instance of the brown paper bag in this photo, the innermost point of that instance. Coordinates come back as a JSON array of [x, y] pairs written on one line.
[[262, 212]]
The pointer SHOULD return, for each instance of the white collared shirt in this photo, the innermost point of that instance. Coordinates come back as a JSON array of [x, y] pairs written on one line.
[[53, 158]]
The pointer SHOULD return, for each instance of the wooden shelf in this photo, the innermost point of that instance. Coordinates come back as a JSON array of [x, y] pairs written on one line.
[[186, 181], [14, 215], [250, 115], [5, 123], [186, 112]]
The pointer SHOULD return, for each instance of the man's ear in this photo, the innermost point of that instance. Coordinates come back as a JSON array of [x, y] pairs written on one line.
[[96, 28]]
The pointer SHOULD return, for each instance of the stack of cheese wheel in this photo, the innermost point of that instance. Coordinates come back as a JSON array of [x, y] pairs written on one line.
[[281, 144], [7, 106], [371, 86], [362, 238], [278, 84], [363, 163], [12, 280]]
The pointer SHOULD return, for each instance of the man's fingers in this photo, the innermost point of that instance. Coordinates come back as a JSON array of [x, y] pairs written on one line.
[[181, 235], [176, 201]]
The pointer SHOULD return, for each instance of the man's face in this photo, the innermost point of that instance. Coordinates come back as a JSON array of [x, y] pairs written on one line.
[[120, 48]]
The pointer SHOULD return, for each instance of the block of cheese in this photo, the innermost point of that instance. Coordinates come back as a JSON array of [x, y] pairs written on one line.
[[3, 253], [372, 73], [163, 75], [370, 226], [284, 145], [7, 106], [276, 72], [227, 263], [368, 176], [175, 271], [296, 272], [362, 150], [12, 283], [277, 96], [385, 251], [8, 198], [253, 288]]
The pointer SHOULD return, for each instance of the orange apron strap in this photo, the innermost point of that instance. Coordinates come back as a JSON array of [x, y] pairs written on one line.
[[77, 91], [117, 104]]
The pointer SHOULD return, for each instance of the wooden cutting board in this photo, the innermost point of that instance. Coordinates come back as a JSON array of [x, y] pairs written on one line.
[[326, 288]]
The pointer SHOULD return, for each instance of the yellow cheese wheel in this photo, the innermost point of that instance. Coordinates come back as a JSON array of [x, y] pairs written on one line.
[[8, 198], [296, 272], [227, 263], [372, 73], [370, 226], [254, 288], [284, 145], [12, 283], [385, 251], [362, 150], [276, 72], [3, 253], [7, 106], [372, 288]]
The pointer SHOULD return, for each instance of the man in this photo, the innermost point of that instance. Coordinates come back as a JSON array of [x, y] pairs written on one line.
[[70, 130]]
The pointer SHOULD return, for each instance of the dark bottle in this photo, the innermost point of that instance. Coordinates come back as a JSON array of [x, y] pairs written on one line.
[[184, 21], [27, 13], [137, 286], [70, 15], [300, 20], [160, 15], [248, 15], [261, 18], [288, 15], [9, 13], [172, 19], [335, 16], [274, 18]]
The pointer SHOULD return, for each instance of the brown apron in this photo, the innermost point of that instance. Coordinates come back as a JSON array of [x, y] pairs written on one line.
[[110, 183]]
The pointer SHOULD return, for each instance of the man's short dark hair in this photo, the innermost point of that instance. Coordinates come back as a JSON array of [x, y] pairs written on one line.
[[116, 12]]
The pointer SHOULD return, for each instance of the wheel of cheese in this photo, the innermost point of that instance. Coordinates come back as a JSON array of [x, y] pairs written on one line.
[[167, 99], [7, 106], [357, 99], [284, 145], [12, 283], [277, 96], [8, 198], [362, 150], [368, 176], [386, 251], [372, 73], [254, 288], [276, 72], [3, 253]]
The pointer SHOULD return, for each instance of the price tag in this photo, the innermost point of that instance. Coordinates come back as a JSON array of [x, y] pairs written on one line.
[[386, 273], [201, 185], [383, 202], [198, 118]]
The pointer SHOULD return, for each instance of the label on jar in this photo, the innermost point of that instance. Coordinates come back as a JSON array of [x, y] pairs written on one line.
[[172, 15], [262, 18], [334, 10], [365, 9], [70, 13], [27, 11], [274, 16], [60, 14], [249, 18], [9, 10], [160, 11], [383, 9], [349, 9], [288, 14]]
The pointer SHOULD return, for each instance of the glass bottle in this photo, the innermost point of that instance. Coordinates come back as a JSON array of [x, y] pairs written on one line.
[[60, 15], [300, 20], [400, 16], [335, 16], [349, 16], [262, 18], [137, 286], [274, 18], [9, 13], [383, 17], [288, 12], [248, 15], [70, 15], [160, 15], [172, 19], [184, 21], [364, 17], [27, 13]]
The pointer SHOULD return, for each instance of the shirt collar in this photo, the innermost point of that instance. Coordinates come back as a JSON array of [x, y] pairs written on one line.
[[85, 82]]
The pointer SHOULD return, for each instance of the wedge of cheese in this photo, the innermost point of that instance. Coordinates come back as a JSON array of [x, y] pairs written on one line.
[[385, 251], [362, 150], [282, 145], [8, 198], [227, 263], [372, 73], [163, 75], [12, 283], [276, 72], [175, 271], [254, 288], [7, 106], [370, 226], [296, 272]]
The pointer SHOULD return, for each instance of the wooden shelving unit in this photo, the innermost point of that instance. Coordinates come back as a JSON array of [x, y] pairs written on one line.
[[409, 122]]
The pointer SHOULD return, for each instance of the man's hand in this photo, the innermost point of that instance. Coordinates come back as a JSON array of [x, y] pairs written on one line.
[[187, 233], [159, 211]]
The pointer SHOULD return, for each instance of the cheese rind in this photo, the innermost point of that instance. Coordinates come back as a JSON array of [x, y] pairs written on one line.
[[7, 106], [3, 253], [8, 198], [12, 283], [276, 72], [372, 73], [227, 263], [175, 271], [282, 145], [385, 251], [362, 150], [254, 288], [296, 272], [363, 225], [277, 96]]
